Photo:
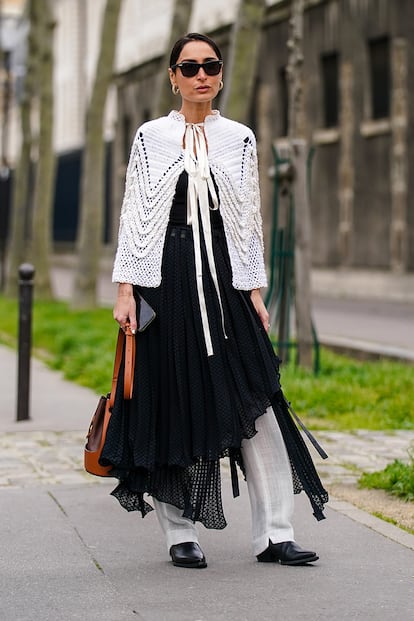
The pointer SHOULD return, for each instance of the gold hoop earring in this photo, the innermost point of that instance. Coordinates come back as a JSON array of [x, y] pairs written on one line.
[[175, 89], [221, 85]]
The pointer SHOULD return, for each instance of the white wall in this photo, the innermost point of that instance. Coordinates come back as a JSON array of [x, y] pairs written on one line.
[[145, 25], [143, 31], [77, 41]]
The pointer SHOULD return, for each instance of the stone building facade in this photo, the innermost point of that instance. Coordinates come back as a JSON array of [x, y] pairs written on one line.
[[361, 50], [358, 81], [358, 117]]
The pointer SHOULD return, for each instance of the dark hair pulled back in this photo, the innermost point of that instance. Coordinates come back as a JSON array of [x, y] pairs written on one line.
[[192, 36]]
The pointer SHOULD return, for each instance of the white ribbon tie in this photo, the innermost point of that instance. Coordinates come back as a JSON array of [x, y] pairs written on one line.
[[200, 184]]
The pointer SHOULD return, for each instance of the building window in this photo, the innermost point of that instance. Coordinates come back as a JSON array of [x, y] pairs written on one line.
[[284, 101], [379, 56], [126, 136], [330, 84]]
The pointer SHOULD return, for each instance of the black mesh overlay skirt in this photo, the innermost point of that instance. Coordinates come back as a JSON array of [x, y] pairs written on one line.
[[188, 409]]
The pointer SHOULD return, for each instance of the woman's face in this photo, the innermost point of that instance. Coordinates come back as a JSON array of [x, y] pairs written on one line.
[[201, 88]]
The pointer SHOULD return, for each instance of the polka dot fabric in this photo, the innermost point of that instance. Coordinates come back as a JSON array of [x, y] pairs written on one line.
[[188, 409]]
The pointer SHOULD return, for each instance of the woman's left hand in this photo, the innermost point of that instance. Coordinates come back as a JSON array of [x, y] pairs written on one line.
[[260, 307]]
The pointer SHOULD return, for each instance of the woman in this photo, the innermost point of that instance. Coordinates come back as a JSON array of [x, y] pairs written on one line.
[[207, 380]]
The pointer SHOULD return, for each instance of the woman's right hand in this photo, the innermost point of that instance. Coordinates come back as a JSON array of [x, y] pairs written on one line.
[[125, 309]]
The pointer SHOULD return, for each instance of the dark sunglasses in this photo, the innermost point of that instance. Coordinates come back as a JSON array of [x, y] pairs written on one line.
[[190, 69]]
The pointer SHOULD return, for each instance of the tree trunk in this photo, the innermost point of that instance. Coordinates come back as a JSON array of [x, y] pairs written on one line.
[[242, 65], [179, 26], [265, 129], [303, 301], [45, 170], [89, 243], [294, 71], [299, 151], [17, 246]]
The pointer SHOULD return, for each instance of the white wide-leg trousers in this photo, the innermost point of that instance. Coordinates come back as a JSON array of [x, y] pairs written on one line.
[[269, 483]]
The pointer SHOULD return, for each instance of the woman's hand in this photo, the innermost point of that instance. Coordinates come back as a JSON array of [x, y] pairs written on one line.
[[125, 309], [260, 307]]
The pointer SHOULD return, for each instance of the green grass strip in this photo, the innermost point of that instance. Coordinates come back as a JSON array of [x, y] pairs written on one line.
[[346, 395], [397, 478], [80, 344]]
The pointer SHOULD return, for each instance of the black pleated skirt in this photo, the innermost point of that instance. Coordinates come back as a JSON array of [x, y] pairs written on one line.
[[189, 409]]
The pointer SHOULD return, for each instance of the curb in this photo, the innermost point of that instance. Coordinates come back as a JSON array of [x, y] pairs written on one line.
[[378, 525], [366, 350]]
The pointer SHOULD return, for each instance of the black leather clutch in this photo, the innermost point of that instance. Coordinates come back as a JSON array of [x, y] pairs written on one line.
[[146, 314]]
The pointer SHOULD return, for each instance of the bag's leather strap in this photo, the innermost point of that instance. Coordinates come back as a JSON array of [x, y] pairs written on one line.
[[129, 362], [129, 339]]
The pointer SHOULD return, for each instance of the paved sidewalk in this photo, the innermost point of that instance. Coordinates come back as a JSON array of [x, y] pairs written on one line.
[[371, 328], [69, 552]]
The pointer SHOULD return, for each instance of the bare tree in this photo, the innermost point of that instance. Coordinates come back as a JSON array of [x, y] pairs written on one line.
[[179, 27], [89, 242], [45, 168], [17, 247], [294, 70], [242, 64], [31, 217], [299, 152]]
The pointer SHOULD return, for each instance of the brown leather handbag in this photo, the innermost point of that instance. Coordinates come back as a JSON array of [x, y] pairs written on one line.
[[95, 438]]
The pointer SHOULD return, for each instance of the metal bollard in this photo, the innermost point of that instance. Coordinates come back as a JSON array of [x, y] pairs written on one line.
[[26, 274]]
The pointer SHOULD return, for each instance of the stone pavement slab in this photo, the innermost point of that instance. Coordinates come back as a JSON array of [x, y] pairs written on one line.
[[352, 453], [36, 458]]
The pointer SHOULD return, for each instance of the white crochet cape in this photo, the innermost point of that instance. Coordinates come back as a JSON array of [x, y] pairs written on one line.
[[155, 164]]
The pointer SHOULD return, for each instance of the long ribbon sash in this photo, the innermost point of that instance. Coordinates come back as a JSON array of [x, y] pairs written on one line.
[[200, 184]]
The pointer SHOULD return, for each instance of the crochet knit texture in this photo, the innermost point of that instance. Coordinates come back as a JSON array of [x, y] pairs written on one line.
[[155, 164]]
